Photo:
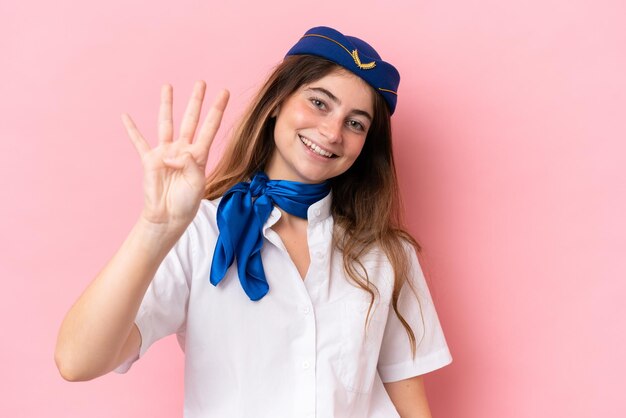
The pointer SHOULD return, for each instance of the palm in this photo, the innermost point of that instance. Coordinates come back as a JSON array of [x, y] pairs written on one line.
[[169, 192], [174, 176]]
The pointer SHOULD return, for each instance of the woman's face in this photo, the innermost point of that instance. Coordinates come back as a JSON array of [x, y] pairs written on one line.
[[321, 128]]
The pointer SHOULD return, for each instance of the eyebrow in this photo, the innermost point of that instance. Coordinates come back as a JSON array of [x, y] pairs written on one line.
[[336, 100]]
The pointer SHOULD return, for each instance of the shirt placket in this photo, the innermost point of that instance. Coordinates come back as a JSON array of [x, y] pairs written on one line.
[[317, 276], [304, 346]]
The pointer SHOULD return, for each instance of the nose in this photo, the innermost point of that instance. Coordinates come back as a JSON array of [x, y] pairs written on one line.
[[331, 128]]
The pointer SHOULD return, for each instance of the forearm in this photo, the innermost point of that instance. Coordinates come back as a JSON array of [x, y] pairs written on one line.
[[95, 329], [409, 397]]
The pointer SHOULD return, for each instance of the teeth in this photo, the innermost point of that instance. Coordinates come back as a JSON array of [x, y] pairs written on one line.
[[315, 148]]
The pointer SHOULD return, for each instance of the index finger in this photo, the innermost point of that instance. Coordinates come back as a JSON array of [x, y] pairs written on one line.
[[212, 122]]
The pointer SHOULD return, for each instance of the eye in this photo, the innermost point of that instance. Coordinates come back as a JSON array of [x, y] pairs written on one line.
[[355, 124], [318, 103]]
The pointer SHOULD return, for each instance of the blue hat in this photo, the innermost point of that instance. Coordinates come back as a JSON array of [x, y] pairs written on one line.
[[353, 54]]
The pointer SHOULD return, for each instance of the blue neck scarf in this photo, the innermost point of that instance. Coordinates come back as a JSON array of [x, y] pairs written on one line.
[[240, 221]]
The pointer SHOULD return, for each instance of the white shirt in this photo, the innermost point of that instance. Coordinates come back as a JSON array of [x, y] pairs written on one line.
[[300, 351]]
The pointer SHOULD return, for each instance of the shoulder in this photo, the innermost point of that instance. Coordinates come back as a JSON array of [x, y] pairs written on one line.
[[393, 266], [207, 211], [377, 255], [203, 228]]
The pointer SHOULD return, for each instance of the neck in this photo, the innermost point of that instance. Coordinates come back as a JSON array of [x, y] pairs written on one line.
[[277, 175], [288, 220]]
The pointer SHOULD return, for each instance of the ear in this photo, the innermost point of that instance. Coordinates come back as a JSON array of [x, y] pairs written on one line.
[[275, 112]]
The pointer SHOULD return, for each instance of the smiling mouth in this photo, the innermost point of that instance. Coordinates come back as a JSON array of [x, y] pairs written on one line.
[[313, 147]]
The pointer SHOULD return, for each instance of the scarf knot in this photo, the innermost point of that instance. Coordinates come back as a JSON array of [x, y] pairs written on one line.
[[258, 185], [240, 220]]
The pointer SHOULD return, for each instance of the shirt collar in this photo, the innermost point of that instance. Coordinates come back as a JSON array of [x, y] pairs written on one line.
[[320, 210], [316, 213]]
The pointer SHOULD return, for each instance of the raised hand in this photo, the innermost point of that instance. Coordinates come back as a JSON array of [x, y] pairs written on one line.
[[174, 170]]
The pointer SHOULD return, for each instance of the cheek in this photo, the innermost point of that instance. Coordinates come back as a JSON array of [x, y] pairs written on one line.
[[300, 115], [356, 146]]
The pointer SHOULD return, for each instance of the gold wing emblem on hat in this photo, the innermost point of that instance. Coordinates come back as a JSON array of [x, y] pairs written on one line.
[[357, 60]]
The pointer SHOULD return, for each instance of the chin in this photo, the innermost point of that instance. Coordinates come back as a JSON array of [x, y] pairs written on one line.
[[311, 175]]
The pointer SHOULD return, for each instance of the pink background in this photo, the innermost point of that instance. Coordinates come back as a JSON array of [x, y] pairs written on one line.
[[510, 148]]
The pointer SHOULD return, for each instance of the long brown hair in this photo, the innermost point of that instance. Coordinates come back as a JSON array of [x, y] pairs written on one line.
[[366, 203]]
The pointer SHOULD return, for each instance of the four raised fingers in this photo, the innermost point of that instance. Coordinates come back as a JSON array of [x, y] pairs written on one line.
[[189, 123]]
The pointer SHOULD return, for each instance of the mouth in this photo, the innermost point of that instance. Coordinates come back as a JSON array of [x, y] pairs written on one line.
[[316, 148]]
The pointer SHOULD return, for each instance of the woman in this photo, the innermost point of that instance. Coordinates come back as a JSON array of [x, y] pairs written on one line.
[[316, 304]]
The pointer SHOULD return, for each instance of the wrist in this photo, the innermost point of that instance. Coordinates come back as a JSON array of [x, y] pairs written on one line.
[[158, 234]]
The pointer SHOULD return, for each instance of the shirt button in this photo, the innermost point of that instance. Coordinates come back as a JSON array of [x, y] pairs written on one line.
[[317, 212], [305, 310], [320, 255], [306, 364]]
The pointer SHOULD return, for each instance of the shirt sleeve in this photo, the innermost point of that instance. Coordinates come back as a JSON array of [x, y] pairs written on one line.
[[395, 360], [163, 310]]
